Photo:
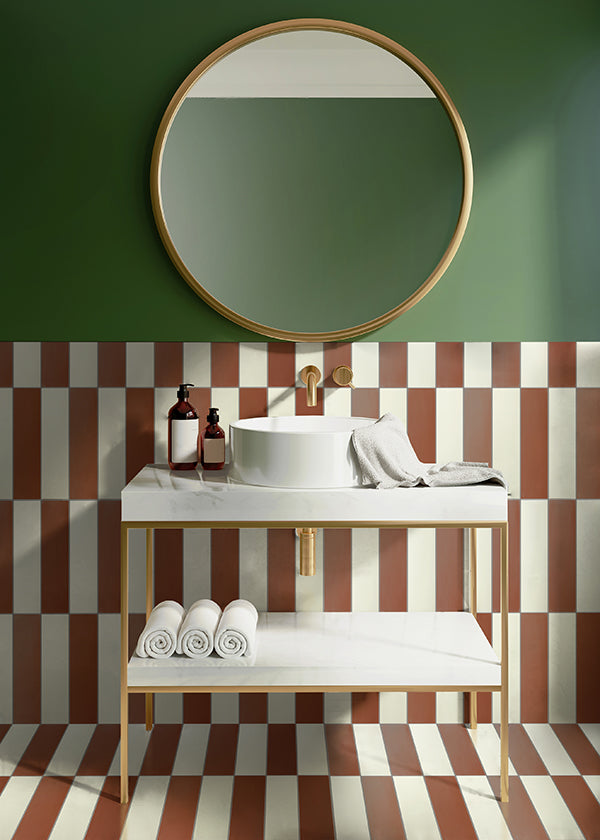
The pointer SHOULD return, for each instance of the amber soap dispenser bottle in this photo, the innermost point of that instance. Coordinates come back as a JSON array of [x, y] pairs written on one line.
[[212, 443], [183, 432]]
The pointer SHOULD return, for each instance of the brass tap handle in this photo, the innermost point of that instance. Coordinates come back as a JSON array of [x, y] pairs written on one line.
[[342, 375], [310, 375]]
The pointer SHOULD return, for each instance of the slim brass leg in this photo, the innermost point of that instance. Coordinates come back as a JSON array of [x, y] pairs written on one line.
[[504, 665], [149, 594], [124, 660], [473, 608]]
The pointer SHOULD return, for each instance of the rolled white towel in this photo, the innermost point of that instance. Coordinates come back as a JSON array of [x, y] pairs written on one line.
[[236, 633], [158, 639], [196, 636]]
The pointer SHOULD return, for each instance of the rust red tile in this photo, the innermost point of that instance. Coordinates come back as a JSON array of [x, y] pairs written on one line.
[[83, 668], [314, 806], [247, 808], [400, 748], [588, 675], [449, 364], [197, 708], [100, 751], [109, 815], [449, 808], [449, 552], [304, 410], [392, 364], [421, 422], [562, 555], [111, 364], [461, 752], [109, 555], [588, 443], [477, 424], [6, 556], [253, 708], [55, 364], [534, 443], [161, 750], [337, 570], [200, 399], [253, 402], [341, 750], [365, 402], [420, 707], [168, 364], [281, 571], [381, 804], [281, 750], [309, 707], [6, 364], [41, 748], [521, 817], [365, 707], [534, 667], [221, 750], [334, 354], [179, 811], [225, 364], [582, 804], [224, 565], [506, 364], [392, 570], [562, 364], [83, 443], [27, 443], [281, 364], [582, 753], [27, 683], [55, 556], [43, 809], [168, 565], [139, 430]]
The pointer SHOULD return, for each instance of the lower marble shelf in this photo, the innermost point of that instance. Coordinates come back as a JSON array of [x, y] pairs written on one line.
[[432, 651]]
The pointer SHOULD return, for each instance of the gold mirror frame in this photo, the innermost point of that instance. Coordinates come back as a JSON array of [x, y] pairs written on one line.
[[330, 26]]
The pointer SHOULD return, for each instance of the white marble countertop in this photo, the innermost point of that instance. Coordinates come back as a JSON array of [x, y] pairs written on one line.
[[158, 494]]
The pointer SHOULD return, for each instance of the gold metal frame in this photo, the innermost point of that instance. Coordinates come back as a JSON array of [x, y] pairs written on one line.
[[367, 35], [149, 691]]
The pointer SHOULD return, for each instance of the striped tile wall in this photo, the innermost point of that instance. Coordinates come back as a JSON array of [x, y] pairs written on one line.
[[78, 420]]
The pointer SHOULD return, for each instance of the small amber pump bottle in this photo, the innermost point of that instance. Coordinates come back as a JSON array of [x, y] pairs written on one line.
[[212, 443], [183, 432]]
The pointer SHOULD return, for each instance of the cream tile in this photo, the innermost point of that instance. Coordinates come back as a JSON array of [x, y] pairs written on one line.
[[55, 443], [146, 807], [365, 569], [449, 425], [478, 364], [251, 757], [430, 750], [191, 750], [561, 443], [562, 677], [196, 363], [416, 809], [365, 364], [253, 364], [534, 364], [421, 364], [214, 808], [83, 364], [74, 816], [348, 806], [281, 808], [506, 436], [588, 540], [311, 749], [588, 364], [27, 364], [55, 668], [139, 364], [534, 555], [370, 749], [27, 534], [14, 800], [111, 442], [420, 553], [83, 556]]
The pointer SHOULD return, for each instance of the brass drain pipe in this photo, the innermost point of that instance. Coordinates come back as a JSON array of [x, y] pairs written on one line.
[[307, 550]]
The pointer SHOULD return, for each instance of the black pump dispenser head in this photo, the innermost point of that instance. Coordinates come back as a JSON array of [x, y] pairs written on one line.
[[183, 392], [213, 416]]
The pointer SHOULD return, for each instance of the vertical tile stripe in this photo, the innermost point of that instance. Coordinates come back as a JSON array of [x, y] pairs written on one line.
[[27, 668], [139, 438], [6, 556], [588, 443], [281, 750], [83, 443], [506, 364], [109, 552], [588, 675], [337, 570], [562, 539], [534, 443], [281, 368], [392, 364], [253, 708], [477, 425], [365, 707], [55, 364], [449, 569], [534, 665], [281, 549], [314, 806], [6, 364], [247, 808], [420, 707], [225, 364], [392, 570], [224, 565], [168, 566], [449, 364], [309, 707], [55, 556], [421, 422], [111, 364], [221, 750], [168, 364], [27, 448], [83, 668], [562, 364]]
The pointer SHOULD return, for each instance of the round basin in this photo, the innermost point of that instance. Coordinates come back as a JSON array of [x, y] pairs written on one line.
[[313, 452]]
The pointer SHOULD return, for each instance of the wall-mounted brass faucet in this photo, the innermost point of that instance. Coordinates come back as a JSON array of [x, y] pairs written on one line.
[[342, 375], [310, 375]]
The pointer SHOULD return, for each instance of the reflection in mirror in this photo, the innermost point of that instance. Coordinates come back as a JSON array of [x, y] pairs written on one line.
[[310, 182]]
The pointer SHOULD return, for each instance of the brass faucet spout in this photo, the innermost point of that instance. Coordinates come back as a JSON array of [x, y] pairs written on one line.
[[310, 375]]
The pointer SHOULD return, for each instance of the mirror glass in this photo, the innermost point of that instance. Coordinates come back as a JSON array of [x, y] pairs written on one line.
[[310, 184]]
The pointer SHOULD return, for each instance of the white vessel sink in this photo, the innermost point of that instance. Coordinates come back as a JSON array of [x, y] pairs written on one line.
[[300, 451]]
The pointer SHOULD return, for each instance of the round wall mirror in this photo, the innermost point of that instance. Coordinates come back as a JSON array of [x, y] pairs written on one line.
[[311, 180]]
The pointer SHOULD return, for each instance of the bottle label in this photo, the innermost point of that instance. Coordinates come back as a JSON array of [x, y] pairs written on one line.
[[214, 450], [184, 441]]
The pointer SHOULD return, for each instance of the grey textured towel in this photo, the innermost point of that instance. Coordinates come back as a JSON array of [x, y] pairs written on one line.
[[387, 459]]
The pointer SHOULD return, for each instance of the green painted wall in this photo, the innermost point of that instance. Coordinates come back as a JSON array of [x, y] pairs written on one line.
[[85, 88]]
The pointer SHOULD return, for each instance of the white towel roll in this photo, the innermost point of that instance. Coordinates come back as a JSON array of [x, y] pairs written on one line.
[[236, 633], [158, 639], [196, 637]]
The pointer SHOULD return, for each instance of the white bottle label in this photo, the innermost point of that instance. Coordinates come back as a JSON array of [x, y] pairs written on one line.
[[184, 441], [214, 450]]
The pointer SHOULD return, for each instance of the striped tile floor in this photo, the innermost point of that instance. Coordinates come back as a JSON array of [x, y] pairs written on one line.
[[258, 781]]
